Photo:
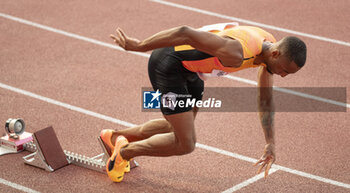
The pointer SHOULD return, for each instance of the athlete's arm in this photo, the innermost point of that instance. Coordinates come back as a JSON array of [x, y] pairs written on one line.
[[266, 115], [228, 50]]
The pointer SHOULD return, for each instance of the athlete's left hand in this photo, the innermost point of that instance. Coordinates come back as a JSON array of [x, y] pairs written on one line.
[[127, 43], [267, 159]]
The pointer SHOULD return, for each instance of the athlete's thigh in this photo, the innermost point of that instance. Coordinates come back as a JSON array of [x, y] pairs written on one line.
[[195, 87], [195, 111], [183, 126]]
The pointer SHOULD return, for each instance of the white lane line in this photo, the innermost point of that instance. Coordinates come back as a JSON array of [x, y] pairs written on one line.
[[107, 118], [308, 96], [251, 22], [275, 166], [202, 146], [17, 186], [65, 33], [248, 182], [65, 105], [292, 92], [311, 176], [227, 153], [97, 42]]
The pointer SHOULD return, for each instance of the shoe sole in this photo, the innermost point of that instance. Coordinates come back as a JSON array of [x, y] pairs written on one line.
[[107, 146], [110, 167]]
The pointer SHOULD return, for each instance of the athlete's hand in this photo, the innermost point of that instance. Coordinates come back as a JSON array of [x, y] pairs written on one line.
[[126, 42], [267, 159]]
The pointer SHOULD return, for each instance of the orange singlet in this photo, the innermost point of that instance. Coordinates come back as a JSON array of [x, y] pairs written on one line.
[[250, 37]]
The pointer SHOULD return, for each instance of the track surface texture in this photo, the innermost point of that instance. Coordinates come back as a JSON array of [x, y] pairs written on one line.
[[43, 51]]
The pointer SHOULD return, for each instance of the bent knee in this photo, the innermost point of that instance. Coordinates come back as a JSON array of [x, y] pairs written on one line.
[[186, 147]]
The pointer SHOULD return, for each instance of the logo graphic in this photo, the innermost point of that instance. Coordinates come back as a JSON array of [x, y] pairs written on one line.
[[172, 100], [151, 99], [169, 100]]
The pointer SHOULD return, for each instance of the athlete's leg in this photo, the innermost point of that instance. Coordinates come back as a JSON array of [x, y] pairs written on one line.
[[181, 141], [168, 75], [146, 130]]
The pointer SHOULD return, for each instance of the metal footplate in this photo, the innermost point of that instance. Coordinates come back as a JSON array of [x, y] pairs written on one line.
[[48, 154], [97, 163], [35, 159], [94, 163]]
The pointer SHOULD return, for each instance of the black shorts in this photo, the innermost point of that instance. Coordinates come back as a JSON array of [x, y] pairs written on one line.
[[179, 86]]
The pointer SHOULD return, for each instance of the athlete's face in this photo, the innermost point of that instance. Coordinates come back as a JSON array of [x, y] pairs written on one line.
[[280, 64]]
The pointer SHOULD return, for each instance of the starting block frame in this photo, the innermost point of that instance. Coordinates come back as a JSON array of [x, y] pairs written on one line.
[[37, 157]]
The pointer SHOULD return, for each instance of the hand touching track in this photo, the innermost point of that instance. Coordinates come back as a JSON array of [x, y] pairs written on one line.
[[267, 159]]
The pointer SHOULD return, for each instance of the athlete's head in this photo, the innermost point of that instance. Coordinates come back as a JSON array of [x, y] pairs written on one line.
[[286, 56]]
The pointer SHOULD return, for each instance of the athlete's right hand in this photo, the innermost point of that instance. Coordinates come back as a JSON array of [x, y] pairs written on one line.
[[126, 42], [267, 159]]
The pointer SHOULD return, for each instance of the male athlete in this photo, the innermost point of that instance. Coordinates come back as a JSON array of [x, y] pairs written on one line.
[[182, 57]]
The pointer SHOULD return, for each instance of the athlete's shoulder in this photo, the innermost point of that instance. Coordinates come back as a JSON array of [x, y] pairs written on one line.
[[252, 28], [268, 36]]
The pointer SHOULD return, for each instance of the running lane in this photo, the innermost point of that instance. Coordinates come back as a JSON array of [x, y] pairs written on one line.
[[109, 82]]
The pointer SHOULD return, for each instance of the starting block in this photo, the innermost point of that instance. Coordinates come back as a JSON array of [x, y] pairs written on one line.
[[48, 154]]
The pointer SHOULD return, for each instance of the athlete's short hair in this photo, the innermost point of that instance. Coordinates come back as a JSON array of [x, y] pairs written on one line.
[[295, 49]]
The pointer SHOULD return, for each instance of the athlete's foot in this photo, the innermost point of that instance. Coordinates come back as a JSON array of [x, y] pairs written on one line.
[[116, 165], [127, 168], [106, 136]]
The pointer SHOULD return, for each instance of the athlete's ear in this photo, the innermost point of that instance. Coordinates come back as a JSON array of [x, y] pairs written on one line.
[[275, 53]]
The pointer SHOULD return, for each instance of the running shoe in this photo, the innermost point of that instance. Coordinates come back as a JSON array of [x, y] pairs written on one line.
[[106, 136], [127, 168], [116, 165]]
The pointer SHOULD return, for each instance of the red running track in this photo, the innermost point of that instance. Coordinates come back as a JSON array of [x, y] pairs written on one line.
[[107, 81]]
